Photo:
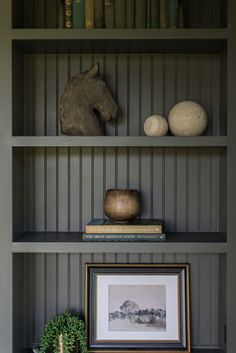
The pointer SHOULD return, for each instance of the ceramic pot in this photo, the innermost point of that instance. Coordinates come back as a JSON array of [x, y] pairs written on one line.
[[122, 205]]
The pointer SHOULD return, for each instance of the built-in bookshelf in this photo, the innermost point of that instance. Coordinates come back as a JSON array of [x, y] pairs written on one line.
[[52, 184]]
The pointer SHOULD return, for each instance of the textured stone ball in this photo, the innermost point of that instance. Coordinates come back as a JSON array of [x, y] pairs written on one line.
[[155, 125], [187, 119]]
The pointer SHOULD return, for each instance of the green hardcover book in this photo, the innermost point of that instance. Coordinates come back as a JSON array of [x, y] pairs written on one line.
[[155, 13], [99, 13], [89, 14], [60, 12], [148, 20], [120, 13], [140, 13], [68, 14], [181, 14], [78, 14], [109, 13], [164, 13], [173, 13], [130, 14], [124, 237]]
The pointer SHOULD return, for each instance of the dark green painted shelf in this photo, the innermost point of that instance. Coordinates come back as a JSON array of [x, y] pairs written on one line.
[[181, 242], [119, 141], [120, 40]]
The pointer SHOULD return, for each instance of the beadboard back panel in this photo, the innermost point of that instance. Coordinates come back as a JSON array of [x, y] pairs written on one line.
[[45, 13], [61, 189], [50, 283], [141, 84]]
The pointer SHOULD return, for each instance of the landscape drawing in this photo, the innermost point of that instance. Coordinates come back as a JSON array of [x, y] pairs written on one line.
[[137, 308]]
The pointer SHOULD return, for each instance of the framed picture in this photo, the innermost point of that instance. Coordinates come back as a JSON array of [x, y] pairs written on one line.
[[132, 307]]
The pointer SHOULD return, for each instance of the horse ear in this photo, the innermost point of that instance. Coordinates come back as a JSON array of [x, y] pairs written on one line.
[[93, 71]]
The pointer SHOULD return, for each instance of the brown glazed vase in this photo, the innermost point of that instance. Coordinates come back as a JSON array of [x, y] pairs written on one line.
[[122, 205]]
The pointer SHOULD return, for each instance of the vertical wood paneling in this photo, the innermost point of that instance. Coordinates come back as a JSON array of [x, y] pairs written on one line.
[[51, 96], [40, 102], [40, 197], [39, 283], [29, 197], [141, 85], [146, 89], [29, 92], [62, 78], [63, 287], [170, 173], [204, 299], [194, 191], [110, 74], [51, 182], [204, 207], [170, 82], [145, 182], [74, 283], [158, 183], [98, 182], [75, 190], [54, 282], [87, 184], [51, 286], [181, 190], [64, 187], [122, 90], [134, 95]]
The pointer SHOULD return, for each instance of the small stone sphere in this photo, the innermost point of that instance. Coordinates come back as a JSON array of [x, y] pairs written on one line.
[[155, 125], [187, 119]]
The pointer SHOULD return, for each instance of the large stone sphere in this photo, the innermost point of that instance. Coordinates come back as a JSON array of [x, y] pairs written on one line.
[[155, 125], [187, 119]]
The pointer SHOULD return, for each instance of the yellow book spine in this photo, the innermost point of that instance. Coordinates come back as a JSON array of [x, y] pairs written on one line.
[[89, 14], [148, 229]]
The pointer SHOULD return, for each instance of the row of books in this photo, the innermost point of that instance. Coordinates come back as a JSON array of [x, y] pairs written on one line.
[[122, 13], [138, 230]]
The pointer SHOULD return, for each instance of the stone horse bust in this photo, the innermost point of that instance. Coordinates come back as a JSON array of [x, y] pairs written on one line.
[[85, 97]]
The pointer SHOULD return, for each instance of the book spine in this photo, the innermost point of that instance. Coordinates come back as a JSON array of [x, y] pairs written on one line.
[[60, 14], [173, 13], [120, 13], [181, 14], [124, 237], [98, 13], [140, 13], [124, 229], [68, 14], [155, 13], [89, 14], [78, 14], [109, 13], [130, 14], [164, 14], [148, 20]]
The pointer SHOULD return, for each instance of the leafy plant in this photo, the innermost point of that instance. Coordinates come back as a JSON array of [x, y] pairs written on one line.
[[70, 329]]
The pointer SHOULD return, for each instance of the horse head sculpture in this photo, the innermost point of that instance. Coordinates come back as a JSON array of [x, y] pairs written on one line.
[[86, 97]]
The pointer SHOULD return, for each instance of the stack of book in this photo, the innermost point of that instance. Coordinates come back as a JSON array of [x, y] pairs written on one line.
[[121, 13], [138, 230]]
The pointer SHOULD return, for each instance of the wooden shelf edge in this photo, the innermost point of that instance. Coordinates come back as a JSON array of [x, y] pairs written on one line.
[[73, 243], [122, 33], [118, 141]]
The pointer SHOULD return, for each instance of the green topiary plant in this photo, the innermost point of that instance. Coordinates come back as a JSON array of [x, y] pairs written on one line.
[[63, 333]]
